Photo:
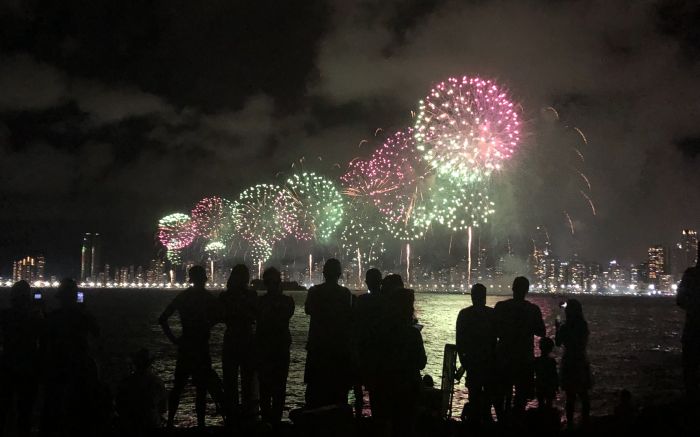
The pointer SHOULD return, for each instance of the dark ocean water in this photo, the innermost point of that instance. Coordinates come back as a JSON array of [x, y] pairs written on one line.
[[635, 341]]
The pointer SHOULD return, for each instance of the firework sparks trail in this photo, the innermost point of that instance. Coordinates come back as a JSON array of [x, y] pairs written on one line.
[[590, 202], [571, 223], [583, 137], [469, 256], [408, 263], [311, 263], [466, 127], [267, 212], [585, 179]]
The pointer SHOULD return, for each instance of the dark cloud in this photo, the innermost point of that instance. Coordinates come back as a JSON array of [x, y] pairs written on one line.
[[116, 113]]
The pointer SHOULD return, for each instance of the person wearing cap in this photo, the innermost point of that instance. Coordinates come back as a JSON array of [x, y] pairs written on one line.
[[70, 373], [476, 348], [141, 400], [197, 310], [328, 371], [20, 328]]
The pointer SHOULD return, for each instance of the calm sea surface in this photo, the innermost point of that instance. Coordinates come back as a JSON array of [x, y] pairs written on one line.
[[635, 341]]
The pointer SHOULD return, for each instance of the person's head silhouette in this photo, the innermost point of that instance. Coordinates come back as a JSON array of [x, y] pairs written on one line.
[[391, 283], [20, 294], [573, 310], [546, 346], [67, 293], [478, 295], [332, 270], [520, 287], [239, 278], [272, 280], [373, 279], [197, 275]]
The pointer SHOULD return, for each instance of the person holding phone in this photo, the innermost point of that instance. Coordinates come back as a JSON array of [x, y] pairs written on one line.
[[20, 327]]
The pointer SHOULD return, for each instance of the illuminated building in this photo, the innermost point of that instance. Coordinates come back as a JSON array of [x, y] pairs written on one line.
[[40, 267], [90, 253], [656, 266], [684, 254], [26, 269]]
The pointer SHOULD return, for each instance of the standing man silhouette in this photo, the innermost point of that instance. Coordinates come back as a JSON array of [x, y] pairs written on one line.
[[476, 347], [328, 373], [239, 304], [688, 298], [517, 321], [273, 341], [196, 307]]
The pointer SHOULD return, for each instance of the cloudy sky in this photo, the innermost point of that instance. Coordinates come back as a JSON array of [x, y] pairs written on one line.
[[115, 113]]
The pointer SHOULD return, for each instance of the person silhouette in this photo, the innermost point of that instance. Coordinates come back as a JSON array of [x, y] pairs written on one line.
[[476, 348], [20, 329], [401, 358], [391, 283], [197, 310], [688, 298], [328, 371], [516, 322], [71, 383], [239, 305], [141, 400], [575, 370], [546, 377], [273, 341], [366, 317]]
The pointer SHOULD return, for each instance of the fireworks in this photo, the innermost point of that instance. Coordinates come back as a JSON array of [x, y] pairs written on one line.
[[215, 249], [459, 205], [260, 250], [175, 231], [213, 216], [360, 238], [266, 212], [319, 206], [405, 182], [466, 127]]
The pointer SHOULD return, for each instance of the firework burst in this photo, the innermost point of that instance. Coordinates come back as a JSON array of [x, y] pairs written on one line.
[[266, 212], [175, 231], [319, 206], [459, 205], [466, 127], [405, 181], [213, 216]]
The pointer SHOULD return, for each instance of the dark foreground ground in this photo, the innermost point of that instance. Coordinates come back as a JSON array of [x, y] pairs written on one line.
[[671, 419]]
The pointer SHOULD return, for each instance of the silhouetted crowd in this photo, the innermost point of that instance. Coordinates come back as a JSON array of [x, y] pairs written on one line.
[[370, 343]]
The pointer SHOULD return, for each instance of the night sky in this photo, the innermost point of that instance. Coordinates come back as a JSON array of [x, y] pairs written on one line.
[[115, 113]]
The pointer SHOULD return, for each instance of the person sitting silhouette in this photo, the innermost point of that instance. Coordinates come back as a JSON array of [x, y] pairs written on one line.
[[575, 370], [476, 347], [516, 322], [239, 305], [72, 389], [328, 371], [197, 310], [546, 377], [141, 400], [688, 298], [273, 340], [20, 329]]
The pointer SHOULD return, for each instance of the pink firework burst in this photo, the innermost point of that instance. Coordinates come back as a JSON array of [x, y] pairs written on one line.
[[466, 127]]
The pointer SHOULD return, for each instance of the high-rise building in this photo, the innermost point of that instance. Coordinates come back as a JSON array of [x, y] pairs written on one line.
[[90, 255], [685, 252], [29, 269], [656, 263]]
